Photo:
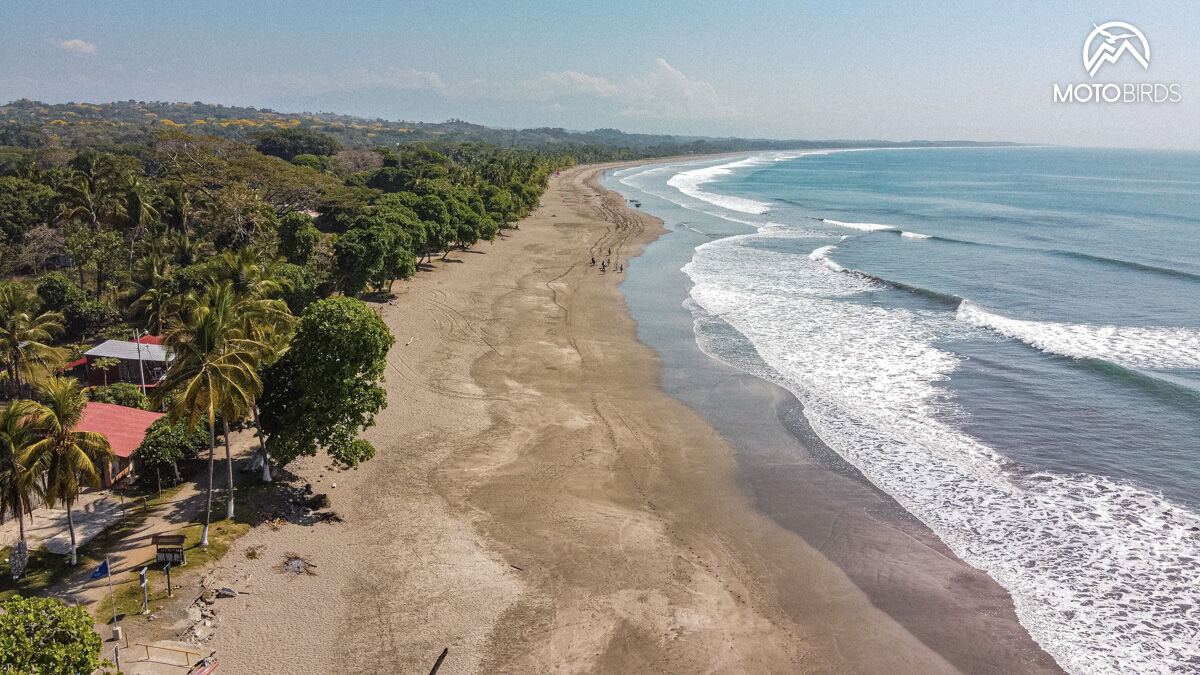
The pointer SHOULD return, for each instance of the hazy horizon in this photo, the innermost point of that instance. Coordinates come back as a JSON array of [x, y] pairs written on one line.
[[782, 71]]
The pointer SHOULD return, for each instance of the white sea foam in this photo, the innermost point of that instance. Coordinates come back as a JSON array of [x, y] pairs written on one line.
[[915, 235], [821, 255], [1102, 573], [689, 182], [1129, 346], [865, 227]]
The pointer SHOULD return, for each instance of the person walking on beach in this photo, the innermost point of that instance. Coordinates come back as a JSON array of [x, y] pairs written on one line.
[[593, 261]]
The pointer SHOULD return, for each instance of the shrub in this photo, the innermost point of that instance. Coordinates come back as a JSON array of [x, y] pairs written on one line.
[[42, 635], [121, 393]]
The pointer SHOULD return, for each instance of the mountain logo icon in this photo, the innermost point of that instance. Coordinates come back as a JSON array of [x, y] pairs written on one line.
[[1110, 41]]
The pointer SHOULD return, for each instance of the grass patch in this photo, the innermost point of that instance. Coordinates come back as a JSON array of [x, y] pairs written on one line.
[[128, 592], [46, 570]]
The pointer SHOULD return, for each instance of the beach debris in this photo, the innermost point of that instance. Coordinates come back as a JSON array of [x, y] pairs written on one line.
[[226, 592], [193, 614], [317, 501], [410, 341], [333, 485], [209, 596], [294, 564]]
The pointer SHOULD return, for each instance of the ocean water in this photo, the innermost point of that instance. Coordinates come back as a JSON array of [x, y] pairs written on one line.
[[1006, 340]]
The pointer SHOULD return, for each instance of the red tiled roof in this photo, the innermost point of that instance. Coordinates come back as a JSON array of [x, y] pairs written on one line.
[[150, 340], [124, 427]]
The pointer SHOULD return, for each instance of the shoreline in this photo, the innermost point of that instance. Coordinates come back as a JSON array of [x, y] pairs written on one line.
[[540, 502], [795, 479]]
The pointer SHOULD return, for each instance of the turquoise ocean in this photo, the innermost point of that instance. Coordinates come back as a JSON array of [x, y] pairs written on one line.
[[1005, 340]]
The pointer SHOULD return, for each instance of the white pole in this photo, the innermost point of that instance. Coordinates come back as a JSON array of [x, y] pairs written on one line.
[[141, 371], [111, 595]]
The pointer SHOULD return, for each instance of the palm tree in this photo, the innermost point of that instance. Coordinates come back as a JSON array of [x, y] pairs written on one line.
[[213, 372], [139, 210], [85, 202], [176, 207], [157, 304], [24, 334], [65, 456], [189, 251], [265, 319], [17, 485]]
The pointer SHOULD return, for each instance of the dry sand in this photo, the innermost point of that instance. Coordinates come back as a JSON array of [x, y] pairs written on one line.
[[538, 504]]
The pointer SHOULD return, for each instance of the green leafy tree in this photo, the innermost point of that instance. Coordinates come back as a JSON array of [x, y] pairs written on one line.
[[66, 456], [57, 291], [309, 161], [23, 205], [43, 635], [165, 445], [359, 259], [304, 286], [287, 143], [298, 237], [326, 388], [499, 203], [103, 251], [89, 317]]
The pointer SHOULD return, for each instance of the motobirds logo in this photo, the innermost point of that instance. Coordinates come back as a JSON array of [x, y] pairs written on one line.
[[1108, 44]]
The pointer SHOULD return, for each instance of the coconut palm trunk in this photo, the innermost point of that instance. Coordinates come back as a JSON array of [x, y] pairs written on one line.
[[20, 519], [212, 449], [262, 448], [71, 529], [228, 469]]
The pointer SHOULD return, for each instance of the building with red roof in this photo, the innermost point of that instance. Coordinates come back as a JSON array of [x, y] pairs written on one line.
[[125, 429]]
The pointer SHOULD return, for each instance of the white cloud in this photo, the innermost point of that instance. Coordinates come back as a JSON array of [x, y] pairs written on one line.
[[666, 92], [663, 92], [77, 46]]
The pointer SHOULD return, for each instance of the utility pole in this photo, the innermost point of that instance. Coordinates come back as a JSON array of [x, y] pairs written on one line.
[[141, 371]]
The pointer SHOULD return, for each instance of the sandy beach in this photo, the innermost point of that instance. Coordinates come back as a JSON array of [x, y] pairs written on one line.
[[539, 504]]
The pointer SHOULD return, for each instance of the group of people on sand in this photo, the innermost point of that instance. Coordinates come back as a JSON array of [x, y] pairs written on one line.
[[607, 263]]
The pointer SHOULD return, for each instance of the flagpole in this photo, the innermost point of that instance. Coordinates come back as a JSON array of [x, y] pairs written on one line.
[[111, 596]]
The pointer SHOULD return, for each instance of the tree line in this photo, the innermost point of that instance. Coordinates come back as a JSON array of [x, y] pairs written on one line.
[[248, 262]]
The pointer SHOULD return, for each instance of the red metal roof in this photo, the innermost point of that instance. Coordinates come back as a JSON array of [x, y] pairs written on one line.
[[124, 427], [150, 340], [74, 364]]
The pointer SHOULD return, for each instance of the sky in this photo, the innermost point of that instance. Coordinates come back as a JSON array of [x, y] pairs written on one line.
[[787, 70]]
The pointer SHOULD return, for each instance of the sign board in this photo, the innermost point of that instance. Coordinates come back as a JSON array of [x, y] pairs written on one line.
[[170, 548]]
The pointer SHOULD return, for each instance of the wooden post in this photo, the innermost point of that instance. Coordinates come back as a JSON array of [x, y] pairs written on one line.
[[438, 664], [170, 593]]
